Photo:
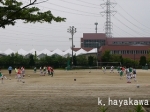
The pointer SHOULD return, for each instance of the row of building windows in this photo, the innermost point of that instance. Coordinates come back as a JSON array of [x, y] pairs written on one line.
[[90, 41], [131, 43], [93, 43], [129, 52]]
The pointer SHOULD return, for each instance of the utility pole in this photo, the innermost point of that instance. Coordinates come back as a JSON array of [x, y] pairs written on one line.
[[96, 26], [72, 31], [108, 12]]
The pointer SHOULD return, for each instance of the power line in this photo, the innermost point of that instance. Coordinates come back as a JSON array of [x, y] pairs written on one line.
[[132, 16], [127, 26], [133, 24], [78, 4], [71, 12], [124, 30], [87, 2], [72, 9]]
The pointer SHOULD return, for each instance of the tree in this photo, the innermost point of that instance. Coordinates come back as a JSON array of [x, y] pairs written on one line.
[[148, 57], [90, 60], [12, 10], [128, 62], [81, 60], [106, 56], [142, 60], [31, 62], [74, 60]]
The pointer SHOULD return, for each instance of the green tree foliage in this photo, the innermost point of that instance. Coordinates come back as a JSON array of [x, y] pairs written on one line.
[[142, 61], [75, 60], [82, 60], [103, 109], [115, 58], [106, 56], [90, 60], [128, 62], [31, 62], [57, 61], [138, 108], [148, 57], [12, 10]]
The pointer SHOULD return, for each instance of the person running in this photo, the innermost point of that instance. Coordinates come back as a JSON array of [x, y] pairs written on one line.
[[118, 69], [121, 74], [128, 75], [16, 71], [131, 71], [1, 77], [19, 74], [44, 70], [52, 71], [41, 71], [10, 70], [112, 69], [34, 69], [103, 69], [49, 70], [22, 72], [134, 74]]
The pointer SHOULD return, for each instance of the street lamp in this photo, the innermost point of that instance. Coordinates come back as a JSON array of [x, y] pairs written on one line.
[[96, 26], [72, 31]]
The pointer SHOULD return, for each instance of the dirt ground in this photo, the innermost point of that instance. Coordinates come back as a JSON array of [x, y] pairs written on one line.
[[62, 94]]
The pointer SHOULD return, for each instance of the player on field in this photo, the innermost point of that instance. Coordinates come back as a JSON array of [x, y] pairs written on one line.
[[22, 72], [112, 69], [10, 70], [131, 70], [128, 75], [118, 69], [134, 74], [34, 69], [41, 71], [19, 74], [52, 71], [121, 73], [103, 69], [1, 76], [44, 70]]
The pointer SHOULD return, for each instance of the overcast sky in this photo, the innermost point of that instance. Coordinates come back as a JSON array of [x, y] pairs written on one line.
[[131, 20]]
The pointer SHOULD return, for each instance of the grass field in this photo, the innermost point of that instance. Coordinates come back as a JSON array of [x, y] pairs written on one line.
[[62, 94]]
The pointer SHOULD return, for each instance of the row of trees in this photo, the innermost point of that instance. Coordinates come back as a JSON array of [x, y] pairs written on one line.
[[61, 62], [107, 57], [56, 61]]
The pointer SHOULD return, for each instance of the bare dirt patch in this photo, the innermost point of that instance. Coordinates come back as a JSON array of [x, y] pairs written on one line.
[[62, 94]]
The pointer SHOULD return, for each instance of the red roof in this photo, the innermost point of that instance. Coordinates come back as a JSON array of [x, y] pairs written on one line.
[[76, 49], [87, 49], [94, 36]]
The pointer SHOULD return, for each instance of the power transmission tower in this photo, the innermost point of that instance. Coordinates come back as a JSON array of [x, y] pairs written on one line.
[[109, 13]]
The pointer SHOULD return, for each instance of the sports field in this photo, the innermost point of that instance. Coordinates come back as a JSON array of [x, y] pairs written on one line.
[[62, 93]]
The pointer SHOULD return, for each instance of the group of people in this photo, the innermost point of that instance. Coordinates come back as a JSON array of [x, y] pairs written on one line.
[[129, 71], [45, 70], [20, 73], [2, 76]]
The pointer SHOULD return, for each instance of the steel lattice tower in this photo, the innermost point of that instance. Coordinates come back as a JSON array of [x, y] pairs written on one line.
[[109, 13]]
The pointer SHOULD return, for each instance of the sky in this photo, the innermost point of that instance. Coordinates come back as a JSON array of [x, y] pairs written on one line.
[[131, 20]]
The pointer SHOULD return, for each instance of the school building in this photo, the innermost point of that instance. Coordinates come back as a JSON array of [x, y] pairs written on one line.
[[130, 47]]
